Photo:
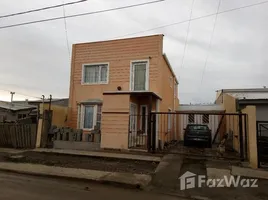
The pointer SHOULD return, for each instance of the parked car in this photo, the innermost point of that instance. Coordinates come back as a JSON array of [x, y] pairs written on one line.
[[197, 133]]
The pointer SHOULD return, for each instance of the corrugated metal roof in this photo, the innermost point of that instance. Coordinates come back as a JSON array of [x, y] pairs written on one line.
[[208, 107], [15, 106], [249, 95]]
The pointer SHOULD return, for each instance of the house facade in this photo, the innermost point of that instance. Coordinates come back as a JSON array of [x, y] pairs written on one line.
[[115, 84], [254, 103]]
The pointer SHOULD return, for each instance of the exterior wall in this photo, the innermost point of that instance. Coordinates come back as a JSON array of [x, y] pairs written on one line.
[[262, 112], [232, 123], [11, 115], [252, 138], [60, 113], [167, 86], [114, 122], [119, 54]]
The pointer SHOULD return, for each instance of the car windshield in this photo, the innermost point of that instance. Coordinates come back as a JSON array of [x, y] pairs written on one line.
[[198, 127]]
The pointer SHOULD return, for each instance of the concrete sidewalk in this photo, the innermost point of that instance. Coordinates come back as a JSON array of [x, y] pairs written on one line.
[[101, 154], [126, 179]]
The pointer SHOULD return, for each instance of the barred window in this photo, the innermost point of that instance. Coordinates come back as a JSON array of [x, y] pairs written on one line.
[[205, 118], [191, 118]]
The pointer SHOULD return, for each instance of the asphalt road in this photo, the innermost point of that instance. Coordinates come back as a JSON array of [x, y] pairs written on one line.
[[23, 187]]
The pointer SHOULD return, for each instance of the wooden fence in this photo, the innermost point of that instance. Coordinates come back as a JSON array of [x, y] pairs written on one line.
[[18, 135]]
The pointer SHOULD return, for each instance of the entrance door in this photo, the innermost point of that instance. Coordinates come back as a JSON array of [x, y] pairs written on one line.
[[262, 141], [132, 125]]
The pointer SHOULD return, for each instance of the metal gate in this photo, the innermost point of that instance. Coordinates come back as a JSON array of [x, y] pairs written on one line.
[[262, 143], [164, 129]]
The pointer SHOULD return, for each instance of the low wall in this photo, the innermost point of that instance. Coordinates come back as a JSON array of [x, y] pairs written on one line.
[[74, 145]]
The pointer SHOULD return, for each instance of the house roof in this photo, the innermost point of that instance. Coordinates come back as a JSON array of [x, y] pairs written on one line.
[[201, 108], [15, 106], [133, 93], [249, 93], [58, 101]]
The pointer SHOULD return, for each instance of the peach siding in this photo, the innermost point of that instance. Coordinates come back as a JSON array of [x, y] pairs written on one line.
[[115, 111], [119, 54]]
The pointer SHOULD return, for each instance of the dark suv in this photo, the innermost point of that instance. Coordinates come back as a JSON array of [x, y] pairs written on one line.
[[197, 133]]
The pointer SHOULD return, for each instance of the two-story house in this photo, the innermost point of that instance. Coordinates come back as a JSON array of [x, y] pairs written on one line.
[[115, 84]]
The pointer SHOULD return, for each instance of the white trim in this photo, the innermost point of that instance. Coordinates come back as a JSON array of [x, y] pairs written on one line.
[[131, 75], [92, 64], [146, 117], [82, 116]]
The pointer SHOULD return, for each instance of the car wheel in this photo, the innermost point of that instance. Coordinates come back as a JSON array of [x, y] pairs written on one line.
[[209, 145]]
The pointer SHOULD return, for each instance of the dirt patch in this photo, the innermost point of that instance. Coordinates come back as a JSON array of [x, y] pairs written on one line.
[[85, 162]]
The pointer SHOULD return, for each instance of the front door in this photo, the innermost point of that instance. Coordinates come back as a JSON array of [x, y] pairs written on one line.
[[132, 125]]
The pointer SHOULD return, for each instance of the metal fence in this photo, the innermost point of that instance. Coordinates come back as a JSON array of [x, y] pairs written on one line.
[[161, 130], [262, 143], [18, 135]]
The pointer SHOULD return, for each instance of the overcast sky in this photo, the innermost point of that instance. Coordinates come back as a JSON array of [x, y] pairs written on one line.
[[34, 59]]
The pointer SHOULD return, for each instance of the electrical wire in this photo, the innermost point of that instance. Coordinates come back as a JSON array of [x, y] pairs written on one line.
[[21, 94], [66, 31], [41, 9], [193, 19], [81, 14], [187, 34], [210, 43]]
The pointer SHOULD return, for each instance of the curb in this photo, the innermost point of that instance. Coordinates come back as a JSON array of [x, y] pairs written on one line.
[[126, 180]]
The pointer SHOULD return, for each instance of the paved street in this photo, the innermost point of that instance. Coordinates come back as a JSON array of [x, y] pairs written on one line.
[[15, 186]]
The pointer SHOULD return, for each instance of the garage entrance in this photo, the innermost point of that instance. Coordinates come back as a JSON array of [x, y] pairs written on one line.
[[168, 128]]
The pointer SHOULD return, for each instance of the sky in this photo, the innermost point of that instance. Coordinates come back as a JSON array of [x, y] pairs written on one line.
[[35, 59]]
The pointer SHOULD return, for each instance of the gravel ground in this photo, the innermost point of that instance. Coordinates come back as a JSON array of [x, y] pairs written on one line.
[[84, 162]]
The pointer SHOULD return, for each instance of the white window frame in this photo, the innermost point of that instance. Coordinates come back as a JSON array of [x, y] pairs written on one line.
[[131, 75], [94, 64], [146, 117], [82, 116]]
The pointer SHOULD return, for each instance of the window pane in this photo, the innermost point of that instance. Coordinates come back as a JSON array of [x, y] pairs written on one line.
[[103, 77], [91, 74], [139, 76], [88, 118]]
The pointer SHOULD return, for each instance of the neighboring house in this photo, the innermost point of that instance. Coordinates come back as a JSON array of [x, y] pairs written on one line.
[[200, 114], [115, 84], [253, 102], [59, 108], [13, 112]]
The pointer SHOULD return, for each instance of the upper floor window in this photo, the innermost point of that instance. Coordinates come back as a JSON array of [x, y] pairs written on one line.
[[95, 73], [139, 75]]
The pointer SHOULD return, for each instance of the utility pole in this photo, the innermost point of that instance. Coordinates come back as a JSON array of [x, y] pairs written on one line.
[[50, 99]]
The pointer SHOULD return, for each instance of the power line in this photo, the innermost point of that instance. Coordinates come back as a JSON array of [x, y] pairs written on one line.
[[66, 32], [187, 34], [81, 14], [210, 43], [41, 9], [194, 19], [21, 94]]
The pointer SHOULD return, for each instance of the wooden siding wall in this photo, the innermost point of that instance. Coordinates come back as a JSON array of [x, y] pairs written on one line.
[[119, 54]]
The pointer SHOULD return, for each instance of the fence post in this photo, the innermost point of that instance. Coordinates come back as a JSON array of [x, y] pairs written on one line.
[[241, 136], [149, 139], [154, 133]]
